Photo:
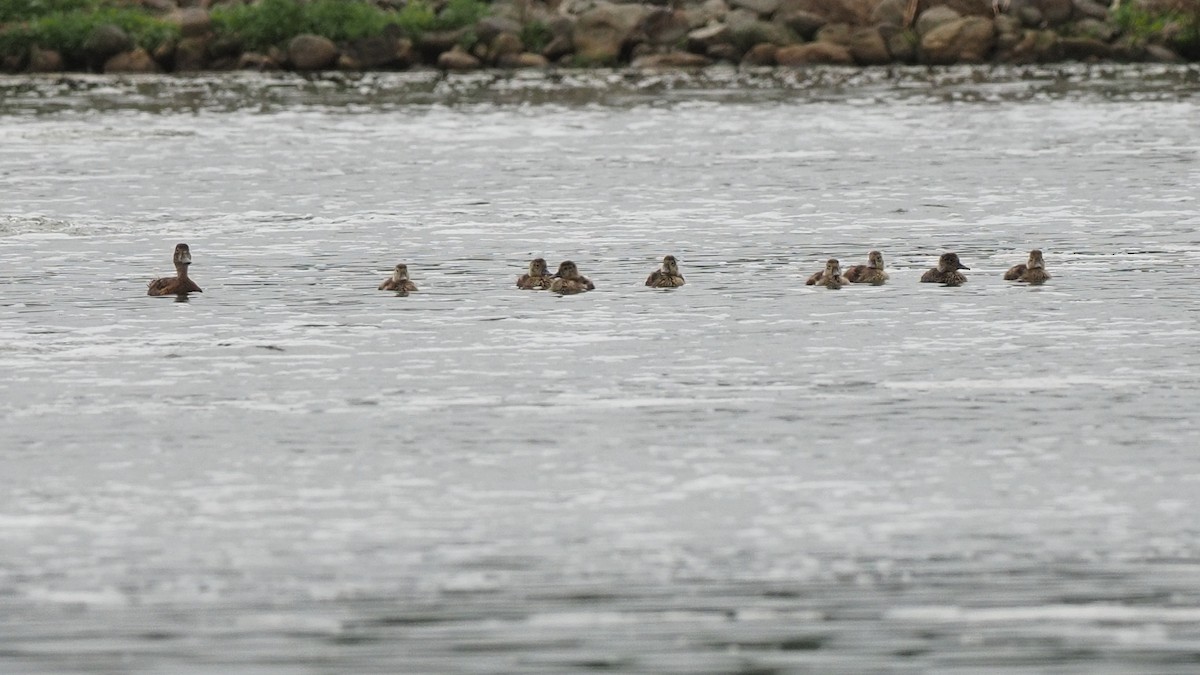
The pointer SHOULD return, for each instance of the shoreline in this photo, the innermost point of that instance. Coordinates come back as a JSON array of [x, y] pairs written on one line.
[[585, 35]]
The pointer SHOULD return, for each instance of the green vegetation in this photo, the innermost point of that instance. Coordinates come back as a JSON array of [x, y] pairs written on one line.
[[21, 10], [66, 31], [1176, 24], [274, 22], [535, 35]]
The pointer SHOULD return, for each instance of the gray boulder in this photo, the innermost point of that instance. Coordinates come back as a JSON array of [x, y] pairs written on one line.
[[134, 61], [934, 17], [966, 40], [105, 42], [602, 33], [312, 52], [814, 53], [44, 60]]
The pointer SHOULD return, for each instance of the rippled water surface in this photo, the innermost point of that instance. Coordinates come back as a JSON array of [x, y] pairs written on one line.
[[296, 473]]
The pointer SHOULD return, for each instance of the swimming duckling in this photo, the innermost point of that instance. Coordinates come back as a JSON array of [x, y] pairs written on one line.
[[947, 271], [538, 277], [399, 281], [179, 284], [568, 280], [667, 276], [830, 277], [871, 273], [1033, 272]]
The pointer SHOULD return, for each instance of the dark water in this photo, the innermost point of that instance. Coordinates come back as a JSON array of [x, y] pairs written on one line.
[[296, 473]]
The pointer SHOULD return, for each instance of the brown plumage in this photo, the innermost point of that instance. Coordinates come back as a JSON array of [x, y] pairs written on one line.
[[399, 281], [1032, 272], [830, 277], [947, 271], [667, 276], [538, 277], [179, 284], [568, 280], [871, 273]]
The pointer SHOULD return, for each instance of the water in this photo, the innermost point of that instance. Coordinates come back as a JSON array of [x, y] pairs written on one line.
[[296, 473]]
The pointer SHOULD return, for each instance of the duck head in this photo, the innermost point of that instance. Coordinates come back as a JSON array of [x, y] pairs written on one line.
[[832, 268], [183, 255], [949, 262], [537, 267], [875, 260], [567, 270], [670, 266], [1035, 260], [400, 273]]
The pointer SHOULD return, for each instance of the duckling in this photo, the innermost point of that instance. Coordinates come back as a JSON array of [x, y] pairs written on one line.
[[830, 277], [399, 281], [538, 277], [667, 276], [871, 273], [568, 280], [1033, 271], [179, 284], [947, 271]]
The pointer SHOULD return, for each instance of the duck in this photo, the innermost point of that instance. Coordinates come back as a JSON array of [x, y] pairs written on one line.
[[830, 277], [947, 271], [568, 280], [667, 276], [399, 281], [180, 284], [871, 273], [538, 277], [1032, 272]]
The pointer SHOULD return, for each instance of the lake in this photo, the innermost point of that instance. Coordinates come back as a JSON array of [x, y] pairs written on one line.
[[296, 473]]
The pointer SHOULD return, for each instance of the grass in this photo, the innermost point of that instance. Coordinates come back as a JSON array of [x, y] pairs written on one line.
[[1176, 23], [66, 31], [274, 22], [24, 10]]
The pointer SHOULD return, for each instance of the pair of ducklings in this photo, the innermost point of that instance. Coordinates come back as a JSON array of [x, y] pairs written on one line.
[[568, 280], [948, 272], [1032, 271]]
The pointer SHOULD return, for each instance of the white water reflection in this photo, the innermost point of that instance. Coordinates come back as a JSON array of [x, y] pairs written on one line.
[[294, 472]]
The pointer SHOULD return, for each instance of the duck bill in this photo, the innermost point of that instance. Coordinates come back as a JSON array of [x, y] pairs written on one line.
[[185, 259], [963, 267]]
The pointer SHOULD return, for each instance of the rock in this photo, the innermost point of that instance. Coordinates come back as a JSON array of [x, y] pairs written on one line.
[[104, 42], [311, 52], [760, 55], [1008, 24], [12, 63], [763, 8], [432, 43], [133, 61], [814, 53], [346, 62], [1090, 9], [1084, 49], [256, 61], [902, 45], [1030, 16], [837, 33], [44, 60], [664, 27], [934, 17], [191, 54], [602, 33], [558, 48], [963, 7], [672, 60], [1094, 28], [966, 40], [458, 60], [701, 39], [377, 51], [192, 21], [487, 28], [854, 12], [802, 23], [706, 13], [505, 44], [1161, 54], [868, 47], [1056, 12], [225, 47], [890, 12], [723, 52], [746, 35], [524, 60]]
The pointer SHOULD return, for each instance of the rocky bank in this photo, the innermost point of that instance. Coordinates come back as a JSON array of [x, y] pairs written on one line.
[[581, 33]]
